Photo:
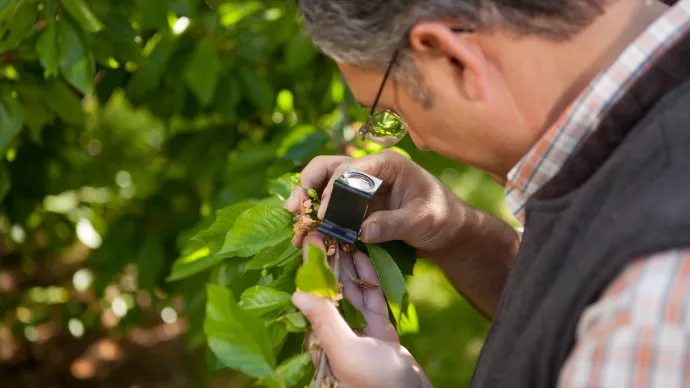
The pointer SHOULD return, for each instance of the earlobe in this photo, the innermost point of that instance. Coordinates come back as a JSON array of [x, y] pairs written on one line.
[[462, 53]]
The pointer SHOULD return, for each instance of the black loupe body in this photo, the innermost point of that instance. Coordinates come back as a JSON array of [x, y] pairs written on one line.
[[348, 205]]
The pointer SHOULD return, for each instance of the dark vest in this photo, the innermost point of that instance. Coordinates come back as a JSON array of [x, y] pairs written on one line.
[[624, 194]]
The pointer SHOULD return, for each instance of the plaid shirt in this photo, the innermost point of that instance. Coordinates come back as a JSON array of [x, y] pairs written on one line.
[[638, 333]]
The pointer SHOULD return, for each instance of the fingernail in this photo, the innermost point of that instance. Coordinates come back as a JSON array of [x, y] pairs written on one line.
[[289, 202], [370, 231]]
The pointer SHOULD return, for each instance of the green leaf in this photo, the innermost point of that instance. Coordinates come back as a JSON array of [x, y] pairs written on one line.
[[232, 274], [228, 97], [276, 332], [150, 262], [36, 115], [4, 4], [228, 273], [286, 280], [315, 276], [47, 50], [158, 51], [20, 25], [290, 372], [409, 323], [392, 280], [404, 255], [5, 182], [64, 102], [215, 234], [252, 157], [295, 369], [306, 147], [299, 52], [272, 256], [194, 263], [81, 12], [11, 119], [294, 323], [233, 12], [261, 299], [75, 63], [282, 186], [354, 318], [258, 90], [268, 201], [48, 47], [154, 13], [214, 364], [237, 337], [201, 73], [256, 229]]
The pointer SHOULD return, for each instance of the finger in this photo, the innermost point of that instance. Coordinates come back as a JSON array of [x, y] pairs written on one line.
[[313, 238], [326, 195], [317, 173], [298, 195], [376, 309], [347, 273], [387, 225], [385, 166], [298, 240], [330, 328], [374, 300]]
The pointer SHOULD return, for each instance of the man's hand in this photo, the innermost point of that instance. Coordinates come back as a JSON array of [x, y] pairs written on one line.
[[411, 205], [374, 360], [474, 249]]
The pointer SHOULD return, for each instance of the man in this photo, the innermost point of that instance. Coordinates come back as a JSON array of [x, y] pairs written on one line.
[[582, 109]]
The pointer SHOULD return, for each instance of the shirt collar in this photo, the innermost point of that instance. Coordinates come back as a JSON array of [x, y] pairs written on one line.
[[582, 117]]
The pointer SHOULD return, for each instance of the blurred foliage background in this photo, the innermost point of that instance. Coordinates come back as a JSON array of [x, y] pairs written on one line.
[[123, 125]]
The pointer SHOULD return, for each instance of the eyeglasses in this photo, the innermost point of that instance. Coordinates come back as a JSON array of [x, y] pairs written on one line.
[[386, 128]]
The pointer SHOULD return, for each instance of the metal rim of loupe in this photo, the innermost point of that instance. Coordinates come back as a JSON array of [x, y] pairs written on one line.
[[359, 181]]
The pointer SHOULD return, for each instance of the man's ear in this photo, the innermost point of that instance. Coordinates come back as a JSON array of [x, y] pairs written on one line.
[[437, 41]]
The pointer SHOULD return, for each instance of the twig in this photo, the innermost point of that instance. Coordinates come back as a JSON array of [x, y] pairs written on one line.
[[323, 360], [336, 261]]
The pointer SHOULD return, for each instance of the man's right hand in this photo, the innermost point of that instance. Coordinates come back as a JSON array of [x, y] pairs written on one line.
[[411, 205]]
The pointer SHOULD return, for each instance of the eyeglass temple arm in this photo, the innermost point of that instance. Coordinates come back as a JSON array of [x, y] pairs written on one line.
[[392, 62], [383, 82]]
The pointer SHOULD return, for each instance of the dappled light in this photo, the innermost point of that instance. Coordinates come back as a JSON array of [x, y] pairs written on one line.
[[126, 126]]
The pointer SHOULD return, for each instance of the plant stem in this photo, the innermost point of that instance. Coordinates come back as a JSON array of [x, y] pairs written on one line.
[[323, 360]]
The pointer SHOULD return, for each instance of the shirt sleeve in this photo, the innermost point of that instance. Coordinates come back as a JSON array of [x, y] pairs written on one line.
[[638, 333]]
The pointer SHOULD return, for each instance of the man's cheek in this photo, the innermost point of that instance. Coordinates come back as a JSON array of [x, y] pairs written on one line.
[[419, 143]]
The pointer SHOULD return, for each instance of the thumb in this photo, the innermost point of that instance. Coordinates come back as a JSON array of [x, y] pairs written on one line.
[[330, 328], [386, 225]]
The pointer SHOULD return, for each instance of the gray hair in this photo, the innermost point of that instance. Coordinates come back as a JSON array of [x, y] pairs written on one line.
[[368, 32]]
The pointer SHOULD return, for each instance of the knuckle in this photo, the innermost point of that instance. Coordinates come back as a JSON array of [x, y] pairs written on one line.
[[320, 159]]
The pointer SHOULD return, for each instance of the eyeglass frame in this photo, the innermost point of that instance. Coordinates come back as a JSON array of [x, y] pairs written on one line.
[[372, 113]]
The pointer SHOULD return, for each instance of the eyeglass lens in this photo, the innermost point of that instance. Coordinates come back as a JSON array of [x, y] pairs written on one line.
[[385, 129]]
